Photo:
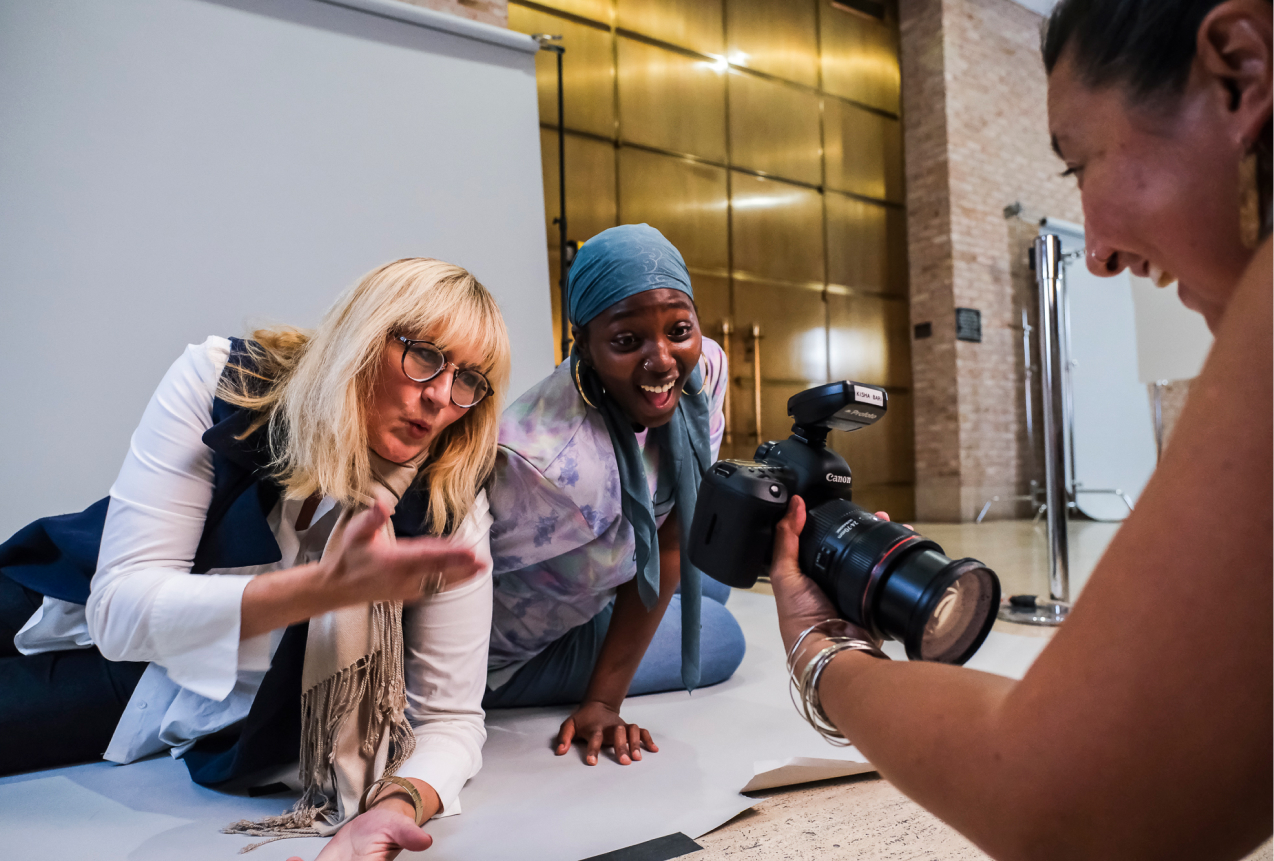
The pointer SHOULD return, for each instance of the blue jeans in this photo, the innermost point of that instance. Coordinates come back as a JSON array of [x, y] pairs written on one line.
[[559, 675]]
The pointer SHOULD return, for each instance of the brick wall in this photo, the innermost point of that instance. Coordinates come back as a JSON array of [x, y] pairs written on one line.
[[976, 142]]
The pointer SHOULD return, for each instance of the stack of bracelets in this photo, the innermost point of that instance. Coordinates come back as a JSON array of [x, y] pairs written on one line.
[[804, 691]]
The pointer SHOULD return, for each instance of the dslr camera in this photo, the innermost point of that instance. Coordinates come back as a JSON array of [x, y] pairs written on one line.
[[880, 575]]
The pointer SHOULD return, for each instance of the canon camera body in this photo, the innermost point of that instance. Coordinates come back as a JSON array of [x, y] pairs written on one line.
[[880, 575]]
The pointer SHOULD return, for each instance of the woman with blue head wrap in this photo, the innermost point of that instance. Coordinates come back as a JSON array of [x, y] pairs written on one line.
[[593, 462]]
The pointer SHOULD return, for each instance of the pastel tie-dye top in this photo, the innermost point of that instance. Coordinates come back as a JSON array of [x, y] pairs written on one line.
[[560, 545]]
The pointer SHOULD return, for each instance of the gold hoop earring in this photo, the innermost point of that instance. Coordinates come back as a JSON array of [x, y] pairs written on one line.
[[684, 391], [579, 387]]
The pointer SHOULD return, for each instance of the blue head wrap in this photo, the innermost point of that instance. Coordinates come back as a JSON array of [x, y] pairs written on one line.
[[621, 262], [615, 264]]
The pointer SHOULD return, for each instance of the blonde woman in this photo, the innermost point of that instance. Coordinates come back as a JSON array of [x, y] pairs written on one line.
[[293, 561]]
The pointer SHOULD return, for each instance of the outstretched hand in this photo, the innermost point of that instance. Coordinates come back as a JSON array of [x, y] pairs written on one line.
[[597, 725], [377, 835], [368, 567]]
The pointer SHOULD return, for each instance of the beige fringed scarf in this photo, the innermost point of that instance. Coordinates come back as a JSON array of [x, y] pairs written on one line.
[[353, 695]]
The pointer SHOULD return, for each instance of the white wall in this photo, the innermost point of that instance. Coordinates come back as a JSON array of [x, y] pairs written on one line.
[[175, 168], [1114, 442], [1172, 340]]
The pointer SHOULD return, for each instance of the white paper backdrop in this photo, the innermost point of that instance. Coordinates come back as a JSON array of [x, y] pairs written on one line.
[[171, 169]]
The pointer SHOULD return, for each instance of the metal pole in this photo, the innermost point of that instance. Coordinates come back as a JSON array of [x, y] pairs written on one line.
[[756, 378], [1049, 276], [563, 263], [1065, 378]]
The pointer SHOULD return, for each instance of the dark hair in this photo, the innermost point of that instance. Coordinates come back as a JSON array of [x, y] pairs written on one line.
[[1146, 45]]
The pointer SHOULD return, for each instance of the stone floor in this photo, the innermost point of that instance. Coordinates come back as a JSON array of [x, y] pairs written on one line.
[[851, 819], [864, 818]]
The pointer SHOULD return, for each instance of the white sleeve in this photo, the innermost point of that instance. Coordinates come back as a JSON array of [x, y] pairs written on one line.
[[144, 604], [446, 638]]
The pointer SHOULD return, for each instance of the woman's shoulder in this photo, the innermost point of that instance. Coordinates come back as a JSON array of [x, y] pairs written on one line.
[[204, 361], [192, 378], [712, 355], [555, 455], [540, 425], [473, 530]]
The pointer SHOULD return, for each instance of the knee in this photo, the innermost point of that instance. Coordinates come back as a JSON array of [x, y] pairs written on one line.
[[721, 646], [714, 589]]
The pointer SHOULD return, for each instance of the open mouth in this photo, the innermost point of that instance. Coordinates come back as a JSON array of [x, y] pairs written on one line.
[[658, 396]]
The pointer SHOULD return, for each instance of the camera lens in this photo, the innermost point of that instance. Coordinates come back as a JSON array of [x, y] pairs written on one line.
[[897, 584]]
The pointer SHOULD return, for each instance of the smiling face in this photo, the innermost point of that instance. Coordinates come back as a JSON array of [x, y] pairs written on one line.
[[405, 416], [1159, 185], [644, 349], [1159, 176]]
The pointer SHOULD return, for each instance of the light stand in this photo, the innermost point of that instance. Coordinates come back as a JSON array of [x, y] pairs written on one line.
[[1027, 609], [565, 255]]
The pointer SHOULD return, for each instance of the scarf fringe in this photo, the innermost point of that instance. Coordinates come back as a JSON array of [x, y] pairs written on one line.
[[324, 710]]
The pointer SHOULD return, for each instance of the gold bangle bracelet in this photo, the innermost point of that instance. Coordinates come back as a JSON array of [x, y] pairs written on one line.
[[405, 784]]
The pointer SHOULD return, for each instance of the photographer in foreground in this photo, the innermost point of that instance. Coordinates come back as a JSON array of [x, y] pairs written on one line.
[[1143, 729]]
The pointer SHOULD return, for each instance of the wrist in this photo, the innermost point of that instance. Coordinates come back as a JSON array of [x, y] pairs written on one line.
[[806, 682], [395, 800], [330, 584], [609, 700], [807, 644], [394, 795]]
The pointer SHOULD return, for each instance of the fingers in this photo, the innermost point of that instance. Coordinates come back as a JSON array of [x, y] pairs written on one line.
[[787, 539], [594, 747], [649, 742], [565, 736], [362, 527], [406, 834], [438, 553], [794, 520], [634, 741], [884, 515], [621, 745], [429, 569]]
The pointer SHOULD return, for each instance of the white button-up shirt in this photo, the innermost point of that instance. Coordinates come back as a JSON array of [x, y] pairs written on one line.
[[145, 605]]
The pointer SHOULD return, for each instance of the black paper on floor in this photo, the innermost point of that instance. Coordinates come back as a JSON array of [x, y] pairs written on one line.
[[659, 849]]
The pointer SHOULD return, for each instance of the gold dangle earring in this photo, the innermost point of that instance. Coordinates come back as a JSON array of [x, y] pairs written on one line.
[[1249, 201]]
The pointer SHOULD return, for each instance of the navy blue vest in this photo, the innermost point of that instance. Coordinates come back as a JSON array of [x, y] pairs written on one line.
[[56, 556]]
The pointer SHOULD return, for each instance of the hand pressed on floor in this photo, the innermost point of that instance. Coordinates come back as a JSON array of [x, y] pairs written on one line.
[[597, 725]]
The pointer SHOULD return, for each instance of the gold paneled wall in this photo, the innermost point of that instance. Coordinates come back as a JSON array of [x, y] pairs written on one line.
[[762, 138]]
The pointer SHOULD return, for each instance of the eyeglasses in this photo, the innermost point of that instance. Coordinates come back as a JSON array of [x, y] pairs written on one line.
[[422, 361]]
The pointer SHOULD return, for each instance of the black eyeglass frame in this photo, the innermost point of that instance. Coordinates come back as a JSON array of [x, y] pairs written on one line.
[[409, 343]]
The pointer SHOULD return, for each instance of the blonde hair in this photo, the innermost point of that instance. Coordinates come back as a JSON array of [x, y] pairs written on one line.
[[313, 390]]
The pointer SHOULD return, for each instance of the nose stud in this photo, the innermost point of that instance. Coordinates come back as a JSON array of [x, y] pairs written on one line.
[[1109, 263]]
